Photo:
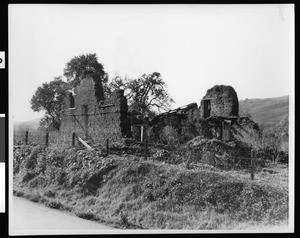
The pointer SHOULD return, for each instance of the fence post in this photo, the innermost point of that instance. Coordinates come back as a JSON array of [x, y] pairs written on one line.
[[146, 148], [47, 139], [252, 172], [73, 139], [107, 146], [26, 137], [142, 133]]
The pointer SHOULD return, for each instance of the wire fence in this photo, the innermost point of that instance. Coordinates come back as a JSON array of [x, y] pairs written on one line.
[[209, 156], [170, 153], [33, 138]]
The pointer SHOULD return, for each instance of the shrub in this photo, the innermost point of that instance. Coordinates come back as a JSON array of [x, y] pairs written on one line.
[[97, 178], [259, 202], [31, 161], [38, 181], [16, 164], [76, 178], [49, 193], [124, 218], [28, 176], [54, 204], [18, 193], [57, 159], [34, 197], [41, 164], [86, 215], [61, 177]]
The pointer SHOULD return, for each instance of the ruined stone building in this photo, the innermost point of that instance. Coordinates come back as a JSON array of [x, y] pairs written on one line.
[[217, 117], [86, 114], [221, 101], [221, 105]]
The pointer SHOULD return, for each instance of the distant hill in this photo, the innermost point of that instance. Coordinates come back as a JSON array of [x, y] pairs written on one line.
[[31, 125], [269, 110]]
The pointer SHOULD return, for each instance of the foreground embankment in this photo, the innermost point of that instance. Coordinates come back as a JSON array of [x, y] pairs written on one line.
[[129, 192]]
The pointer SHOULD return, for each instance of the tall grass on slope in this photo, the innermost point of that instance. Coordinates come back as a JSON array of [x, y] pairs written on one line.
[[146, 194]]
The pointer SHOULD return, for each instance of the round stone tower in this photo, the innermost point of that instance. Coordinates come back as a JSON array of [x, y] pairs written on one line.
[[220, 100]]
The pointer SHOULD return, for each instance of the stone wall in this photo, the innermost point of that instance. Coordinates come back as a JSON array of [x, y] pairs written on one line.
[[94, 119], [241, 129], [221, 101], [171, 124], [245, 130]]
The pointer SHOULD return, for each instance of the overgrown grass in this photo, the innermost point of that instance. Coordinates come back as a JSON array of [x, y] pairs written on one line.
[[133, 193]]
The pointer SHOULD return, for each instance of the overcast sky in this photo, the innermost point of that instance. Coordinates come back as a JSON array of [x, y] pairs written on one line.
[[194, 47]]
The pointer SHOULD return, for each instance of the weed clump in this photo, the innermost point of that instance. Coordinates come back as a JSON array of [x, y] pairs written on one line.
[[38, 181], [18, 193], [53, 204], [28, 176], [34, 197], [86, 215], [49, 193], [31, 161]]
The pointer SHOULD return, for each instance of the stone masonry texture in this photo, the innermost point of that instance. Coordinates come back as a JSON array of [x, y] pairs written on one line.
[[93, 119], [223, 101]]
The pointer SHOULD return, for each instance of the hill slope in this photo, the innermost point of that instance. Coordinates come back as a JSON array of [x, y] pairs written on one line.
[[270, 110], [27, 125]]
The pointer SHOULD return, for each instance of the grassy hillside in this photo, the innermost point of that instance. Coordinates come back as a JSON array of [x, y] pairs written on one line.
[[269, 110], [130, 192]]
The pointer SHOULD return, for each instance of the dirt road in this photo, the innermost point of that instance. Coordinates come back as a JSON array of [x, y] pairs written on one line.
[[28, 218]]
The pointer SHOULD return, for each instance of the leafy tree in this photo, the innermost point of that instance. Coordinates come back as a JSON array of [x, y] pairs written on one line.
[[49, 98], [117, 83], [146, 95], [276, 137], [80, 66], [281, 132]]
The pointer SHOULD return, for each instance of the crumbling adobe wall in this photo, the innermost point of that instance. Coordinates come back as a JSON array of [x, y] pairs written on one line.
[[242, 129], [171, 123], [245, 130], [210, 128], [94, 119], [184, 124], [222, 122], [223, 102]]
